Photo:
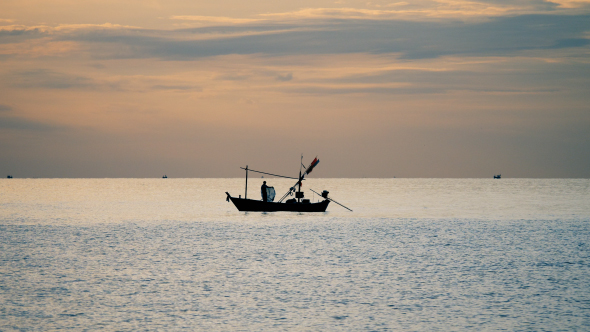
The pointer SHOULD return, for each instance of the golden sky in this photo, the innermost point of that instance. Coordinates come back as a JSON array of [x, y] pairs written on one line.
[[374, 89]]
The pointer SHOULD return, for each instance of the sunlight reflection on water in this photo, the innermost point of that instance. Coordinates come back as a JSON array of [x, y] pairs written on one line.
[[416, 254]]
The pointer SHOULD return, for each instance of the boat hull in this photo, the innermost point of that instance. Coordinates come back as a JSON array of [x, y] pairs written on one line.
[[243, 204]]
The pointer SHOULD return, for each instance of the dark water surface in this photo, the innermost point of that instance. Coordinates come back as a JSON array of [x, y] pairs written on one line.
[[415, 255]]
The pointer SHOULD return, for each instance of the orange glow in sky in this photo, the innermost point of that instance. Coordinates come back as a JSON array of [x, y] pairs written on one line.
[[376, 89]]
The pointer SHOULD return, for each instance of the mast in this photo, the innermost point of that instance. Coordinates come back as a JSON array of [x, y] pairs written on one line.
[[294, 188], [246, 193], [299, 190]]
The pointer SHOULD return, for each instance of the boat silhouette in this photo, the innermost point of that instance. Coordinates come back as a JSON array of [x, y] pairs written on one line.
[[297, 204]]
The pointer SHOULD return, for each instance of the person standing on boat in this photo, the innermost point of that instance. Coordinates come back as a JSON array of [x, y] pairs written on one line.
[[263, 191]]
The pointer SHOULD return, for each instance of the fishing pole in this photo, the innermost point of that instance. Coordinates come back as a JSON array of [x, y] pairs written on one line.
[[331, 200]]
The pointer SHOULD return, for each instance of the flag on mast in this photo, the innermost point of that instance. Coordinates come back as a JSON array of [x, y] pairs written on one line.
[[312, 165]]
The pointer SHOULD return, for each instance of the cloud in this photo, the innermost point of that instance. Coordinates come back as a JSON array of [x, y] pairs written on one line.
[[322, 90], [5, 108], [285, 78], [571, 4], [413, 40], [176, 87], [444, 9], [97, 65], [436, 10], [47, 29], [208, 20], [313, 31], [432, 87], [234, 77], [571, 42], [38, 47], [44, 40], [47, 79], [18, 123]]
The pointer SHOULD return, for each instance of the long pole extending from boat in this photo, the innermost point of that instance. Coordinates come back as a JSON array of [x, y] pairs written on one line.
[[246, 193], [331, 200], [280, 176]]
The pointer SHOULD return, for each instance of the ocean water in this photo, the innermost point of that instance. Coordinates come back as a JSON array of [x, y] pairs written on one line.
[[414, 255]]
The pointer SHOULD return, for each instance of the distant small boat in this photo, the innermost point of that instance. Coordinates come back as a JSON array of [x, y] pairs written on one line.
[[499, 176], [164, 177], [9, 177]]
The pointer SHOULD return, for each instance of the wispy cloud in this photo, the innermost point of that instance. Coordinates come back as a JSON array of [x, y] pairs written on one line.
[[285, 78], [176, 87], [504, 35], [502, 29], [213, 20], [39, 47], [416, 11], [571, 4], [20, 124], [47, 79], [19, 28], [367, 90], [444, 9]]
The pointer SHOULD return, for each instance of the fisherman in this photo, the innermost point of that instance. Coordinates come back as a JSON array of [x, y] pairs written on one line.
[[263, 191]]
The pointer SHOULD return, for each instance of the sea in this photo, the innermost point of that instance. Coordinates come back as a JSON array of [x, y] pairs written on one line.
[[413, 255]]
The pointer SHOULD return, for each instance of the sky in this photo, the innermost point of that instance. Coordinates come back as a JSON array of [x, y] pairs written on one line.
[[379, 89]]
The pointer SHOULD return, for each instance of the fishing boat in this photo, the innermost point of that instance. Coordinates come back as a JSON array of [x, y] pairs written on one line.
[[297, 204], [499, 176]]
